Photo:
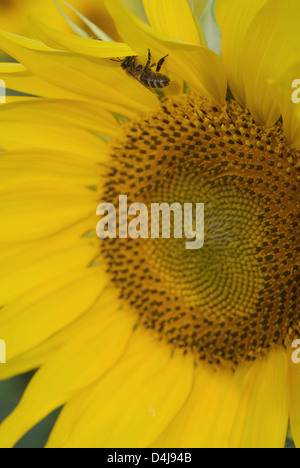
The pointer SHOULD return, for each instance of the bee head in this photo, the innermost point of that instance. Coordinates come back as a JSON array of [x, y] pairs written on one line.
[[128, 61]]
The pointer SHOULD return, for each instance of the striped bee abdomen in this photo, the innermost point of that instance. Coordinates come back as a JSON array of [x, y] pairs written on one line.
[[154, 80]]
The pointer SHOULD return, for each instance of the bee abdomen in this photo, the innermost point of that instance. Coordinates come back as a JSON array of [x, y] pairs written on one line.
[[156, 80]]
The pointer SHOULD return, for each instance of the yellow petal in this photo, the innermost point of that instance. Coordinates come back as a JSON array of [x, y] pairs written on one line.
[[286, 92], [262, 416], [220, 11], [18, 78], [38, 262], [34, 317], [274, 34], [206, 419], [36, 164], [90, 352], [16, 99], [90, 26], [62, 112], [235, 22], [96, 80], [247, 408], [35, 357], [14, 15], [27, 42], [262, 40], [198, 7], [174, 18], [11, 250], [89, 47], [198, 66], [132, 404], [294, 385], [57, 138], [42, 209]]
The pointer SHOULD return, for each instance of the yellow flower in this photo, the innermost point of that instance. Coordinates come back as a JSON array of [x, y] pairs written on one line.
[[14, 14], [147, 344]]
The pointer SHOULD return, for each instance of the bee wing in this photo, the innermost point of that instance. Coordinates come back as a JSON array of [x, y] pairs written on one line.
[[147, 87]]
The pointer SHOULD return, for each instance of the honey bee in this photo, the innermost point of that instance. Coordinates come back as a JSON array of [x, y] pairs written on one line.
[[146, 76]]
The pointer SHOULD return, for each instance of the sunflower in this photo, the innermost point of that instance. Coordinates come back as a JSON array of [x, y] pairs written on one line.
[[144, 343]]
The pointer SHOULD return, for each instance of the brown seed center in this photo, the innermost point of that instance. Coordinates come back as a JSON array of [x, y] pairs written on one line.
[[238, 296]]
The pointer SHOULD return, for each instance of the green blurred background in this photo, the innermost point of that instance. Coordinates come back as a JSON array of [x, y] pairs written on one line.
[[10, 394]]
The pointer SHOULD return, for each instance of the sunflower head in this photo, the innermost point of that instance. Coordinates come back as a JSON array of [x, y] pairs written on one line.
[[146, 342], [219, 302]]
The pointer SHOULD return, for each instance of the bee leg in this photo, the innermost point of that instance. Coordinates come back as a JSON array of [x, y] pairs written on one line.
[[160, 63], [149, 60]]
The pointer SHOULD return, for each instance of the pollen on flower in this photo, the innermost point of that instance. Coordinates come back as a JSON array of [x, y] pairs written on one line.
[[239, 295]]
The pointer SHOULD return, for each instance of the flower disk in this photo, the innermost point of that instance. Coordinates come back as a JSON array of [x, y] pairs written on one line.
[[238, 296]]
